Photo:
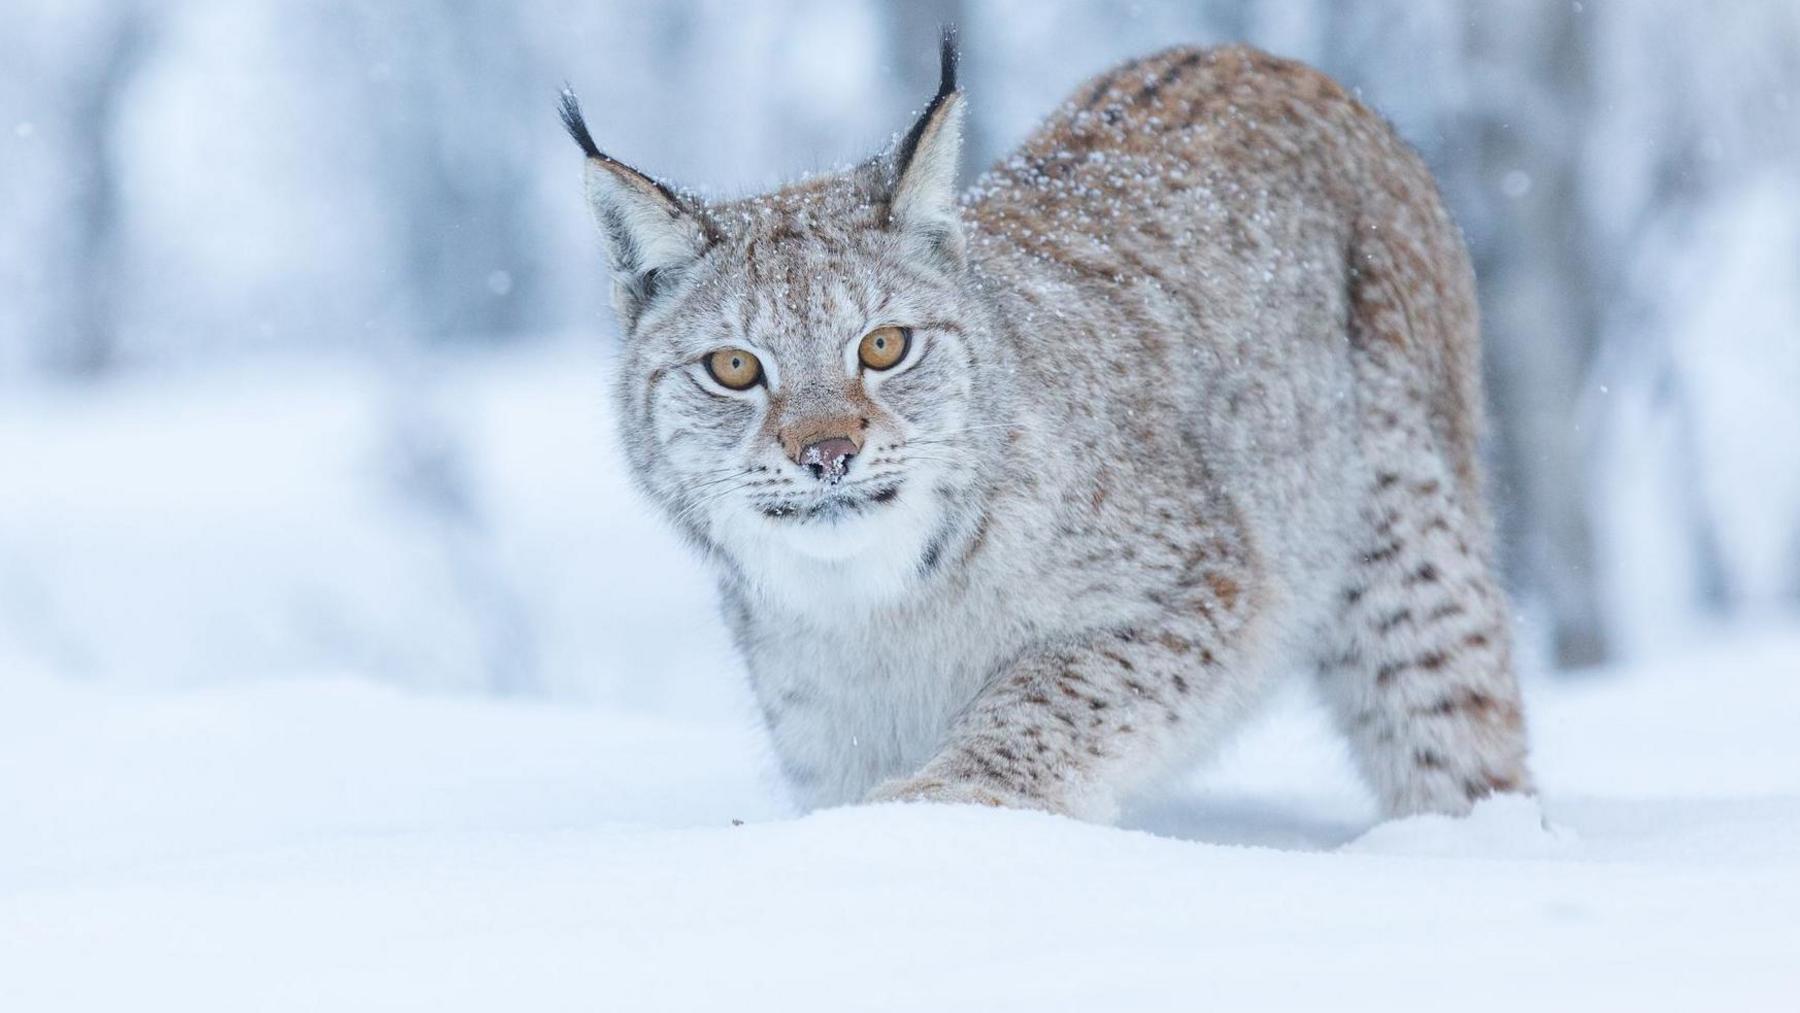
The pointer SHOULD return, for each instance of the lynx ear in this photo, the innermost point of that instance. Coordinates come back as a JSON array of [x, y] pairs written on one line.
[[923, 192], [651, 233]]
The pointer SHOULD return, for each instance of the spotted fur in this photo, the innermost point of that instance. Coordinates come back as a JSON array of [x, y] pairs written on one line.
[[1192, 403]]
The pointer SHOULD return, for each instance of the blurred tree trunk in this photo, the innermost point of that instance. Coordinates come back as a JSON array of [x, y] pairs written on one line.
[[448, 84], [451, 84], [1538, 306], [84, 341]]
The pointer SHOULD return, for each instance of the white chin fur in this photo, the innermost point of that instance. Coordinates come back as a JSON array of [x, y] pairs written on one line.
[[838, 540], [865, 558]]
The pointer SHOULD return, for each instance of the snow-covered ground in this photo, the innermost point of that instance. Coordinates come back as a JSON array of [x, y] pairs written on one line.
[[241, 767], [330, 844]]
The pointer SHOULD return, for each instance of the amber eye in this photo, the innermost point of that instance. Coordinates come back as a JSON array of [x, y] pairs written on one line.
[[884, 347], [734, 368]]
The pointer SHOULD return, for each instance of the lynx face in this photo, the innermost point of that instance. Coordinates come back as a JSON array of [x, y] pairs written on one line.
[[811, 393], [800, 369]]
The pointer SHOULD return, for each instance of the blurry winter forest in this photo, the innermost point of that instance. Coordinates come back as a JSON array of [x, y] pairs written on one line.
[[303, 345]]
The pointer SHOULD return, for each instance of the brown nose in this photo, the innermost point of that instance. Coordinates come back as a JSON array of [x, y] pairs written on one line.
[[828, 459]]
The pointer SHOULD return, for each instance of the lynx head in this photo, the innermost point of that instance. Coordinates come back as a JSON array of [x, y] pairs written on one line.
[[805, 384]]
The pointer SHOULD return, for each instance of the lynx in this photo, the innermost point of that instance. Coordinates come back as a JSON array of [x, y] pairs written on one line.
[[1026, 496]]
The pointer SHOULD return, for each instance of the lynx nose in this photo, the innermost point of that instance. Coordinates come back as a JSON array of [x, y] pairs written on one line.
[[828, 459]]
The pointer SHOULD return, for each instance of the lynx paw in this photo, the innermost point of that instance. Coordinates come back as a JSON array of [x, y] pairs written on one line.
[[936, 789]]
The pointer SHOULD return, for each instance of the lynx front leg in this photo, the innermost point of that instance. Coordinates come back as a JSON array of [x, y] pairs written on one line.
[[1068, 730]]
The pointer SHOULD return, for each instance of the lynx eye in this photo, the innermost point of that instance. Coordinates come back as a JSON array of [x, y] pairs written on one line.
[[734, 368], [884, 347]]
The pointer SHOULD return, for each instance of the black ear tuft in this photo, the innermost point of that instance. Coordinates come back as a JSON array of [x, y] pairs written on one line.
[[573, 122], [576, 124], [946, 88], [946, 60]]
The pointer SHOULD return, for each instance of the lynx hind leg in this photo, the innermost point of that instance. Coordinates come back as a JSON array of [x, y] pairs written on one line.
[[1419, 674]]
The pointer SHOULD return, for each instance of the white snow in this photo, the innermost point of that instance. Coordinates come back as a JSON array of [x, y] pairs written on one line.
[[330, 844], [206, 804]]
